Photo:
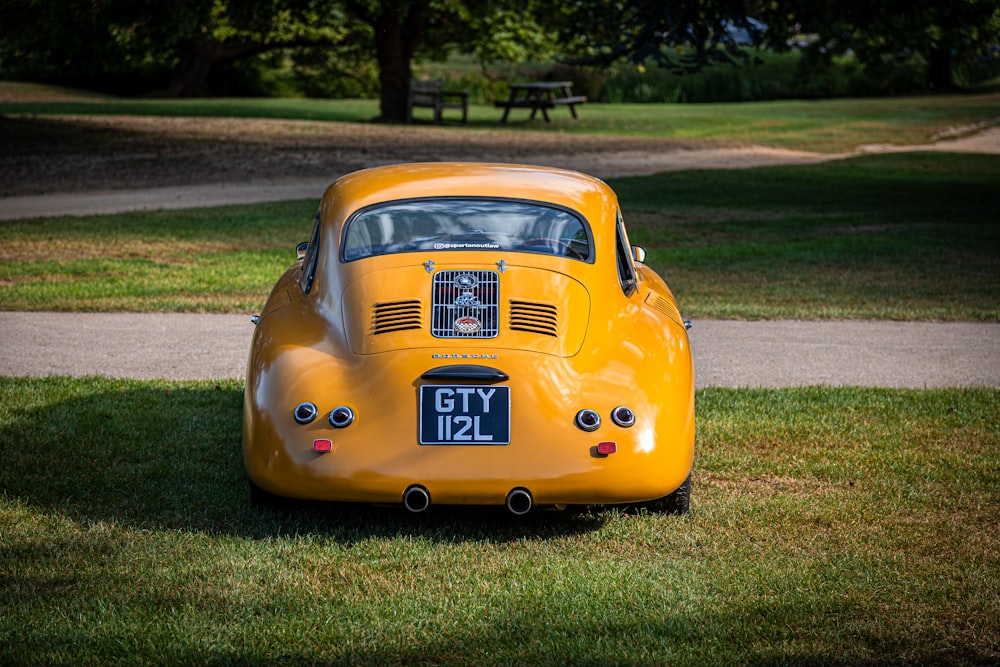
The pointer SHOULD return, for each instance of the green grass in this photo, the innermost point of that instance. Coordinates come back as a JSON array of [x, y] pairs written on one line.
[[830, 126], [902, 236], [829, 526], [837, 526], [906, 236], [201, 260], [825, 125]]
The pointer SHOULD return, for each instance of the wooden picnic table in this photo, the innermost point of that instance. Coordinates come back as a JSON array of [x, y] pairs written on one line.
[[540, 96]]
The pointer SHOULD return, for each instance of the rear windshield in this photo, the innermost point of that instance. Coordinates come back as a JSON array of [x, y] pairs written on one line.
[[444, 225]]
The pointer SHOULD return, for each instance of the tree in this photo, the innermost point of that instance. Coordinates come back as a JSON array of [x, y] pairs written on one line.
[[884, 33], [236, 30], [398, 28], [685, 35], [61, 41], [404, 29], [181, 42], [682, 35], [80, 41]]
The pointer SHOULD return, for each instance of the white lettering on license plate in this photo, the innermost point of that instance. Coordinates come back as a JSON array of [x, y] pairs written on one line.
[[464, 415]]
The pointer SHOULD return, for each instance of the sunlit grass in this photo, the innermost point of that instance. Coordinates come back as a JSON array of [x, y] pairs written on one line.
[[828, 527], [199, 260], [909, 236]]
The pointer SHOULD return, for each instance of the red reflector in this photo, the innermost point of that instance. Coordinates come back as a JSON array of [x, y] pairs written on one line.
[[322, 445], [606, 448]]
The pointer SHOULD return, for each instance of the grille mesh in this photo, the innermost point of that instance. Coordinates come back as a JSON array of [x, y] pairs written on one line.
[[465, 304]]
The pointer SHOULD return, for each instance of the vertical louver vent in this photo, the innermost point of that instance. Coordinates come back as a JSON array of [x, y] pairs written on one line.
[[396, 316], [664, 306], [539, 318], [465, 304]]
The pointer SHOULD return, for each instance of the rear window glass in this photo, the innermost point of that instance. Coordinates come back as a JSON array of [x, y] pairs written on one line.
[[444, 225]]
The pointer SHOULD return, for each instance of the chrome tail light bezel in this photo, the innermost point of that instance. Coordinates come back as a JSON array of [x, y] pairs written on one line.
[[305, 413], [623, 416], [341, 417], [587, 420]]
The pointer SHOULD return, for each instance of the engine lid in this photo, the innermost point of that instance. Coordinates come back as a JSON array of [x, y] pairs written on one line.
[[464, 307]]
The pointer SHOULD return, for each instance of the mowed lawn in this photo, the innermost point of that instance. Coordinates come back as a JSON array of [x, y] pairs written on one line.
[[912, 236], [828, 126], [828, 526]]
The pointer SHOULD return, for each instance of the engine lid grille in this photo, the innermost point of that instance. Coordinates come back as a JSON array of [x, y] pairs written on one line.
[[540, 318], [465, 304], [396, 316]]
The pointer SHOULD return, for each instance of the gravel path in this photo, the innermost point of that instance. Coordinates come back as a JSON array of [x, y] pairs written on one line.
[[727, 353]]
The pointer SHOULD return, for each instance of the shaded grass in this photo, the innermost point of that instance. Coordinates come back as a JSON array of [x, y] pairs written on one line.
[[829, 526], [900, 236], [838, 125], [903, 236], [831, 126]]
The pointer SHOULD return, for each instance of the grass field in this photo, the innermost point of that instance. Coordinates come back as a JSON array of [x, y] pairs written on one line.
[[905, 236], [828, 527], [834, 126]]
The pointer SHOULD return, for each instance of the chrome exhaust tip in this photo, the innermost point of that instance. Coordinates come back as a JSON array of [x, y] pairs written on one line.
[[519, 501], [416, 499]]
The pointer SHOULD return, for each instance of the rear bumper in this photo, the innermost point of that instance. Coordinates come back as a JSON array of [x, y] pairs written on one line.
[[379, 456], [568, 473]]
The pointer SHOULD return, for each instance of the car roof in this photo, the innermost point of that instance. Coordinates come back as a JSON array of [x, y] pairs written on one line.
[[586, 194]]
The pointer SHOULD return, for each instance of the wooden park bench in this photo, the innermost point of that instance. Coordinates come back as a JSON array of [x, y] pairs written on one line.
[[432, 95]]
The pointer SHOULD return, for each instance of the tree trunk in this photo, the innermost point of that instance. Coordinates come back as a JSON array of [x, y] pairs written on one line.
[[192, 77], [398, 31], [939, 74]]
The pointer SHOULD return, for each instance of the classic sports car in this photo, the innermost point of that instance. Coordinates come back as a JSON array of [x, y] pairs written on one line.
[[473, 334]]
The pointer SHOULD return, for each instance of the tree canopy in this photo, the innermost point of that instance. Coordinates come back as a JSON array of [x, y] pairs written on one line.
[[884, 33], [604, 32], [179, 48], [177, 44]]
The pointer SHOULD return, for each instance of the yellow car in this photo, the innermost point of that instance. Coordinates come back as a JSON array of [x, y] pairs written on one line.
[[470, 334]]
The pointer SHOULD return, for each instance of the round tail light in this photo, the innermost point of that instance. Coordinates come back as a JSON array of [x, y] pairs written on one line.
[[305, 413], [341, 416], [588, 420], [623, 416]]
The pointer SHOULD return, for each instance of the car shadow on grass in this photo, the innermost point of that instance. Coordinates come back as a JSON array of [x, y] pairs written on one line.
[[168, 456]]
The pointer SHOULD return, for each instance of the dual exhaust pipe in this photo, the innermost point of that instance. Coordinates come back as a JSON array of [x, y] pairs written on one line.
[[416, 499]]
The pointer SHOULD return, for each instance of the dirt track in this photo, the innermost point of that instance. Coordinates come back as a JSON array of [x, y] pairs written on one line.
[[87, 165], [83, 165]]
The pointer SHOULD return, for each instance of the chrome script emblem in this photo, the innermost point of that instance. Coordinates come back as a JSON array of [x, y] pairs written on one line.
[[464, 355]]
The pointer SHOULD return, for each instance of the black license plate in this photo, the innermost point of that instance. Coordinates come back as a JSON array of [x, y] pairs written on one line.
[[464, 415]]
